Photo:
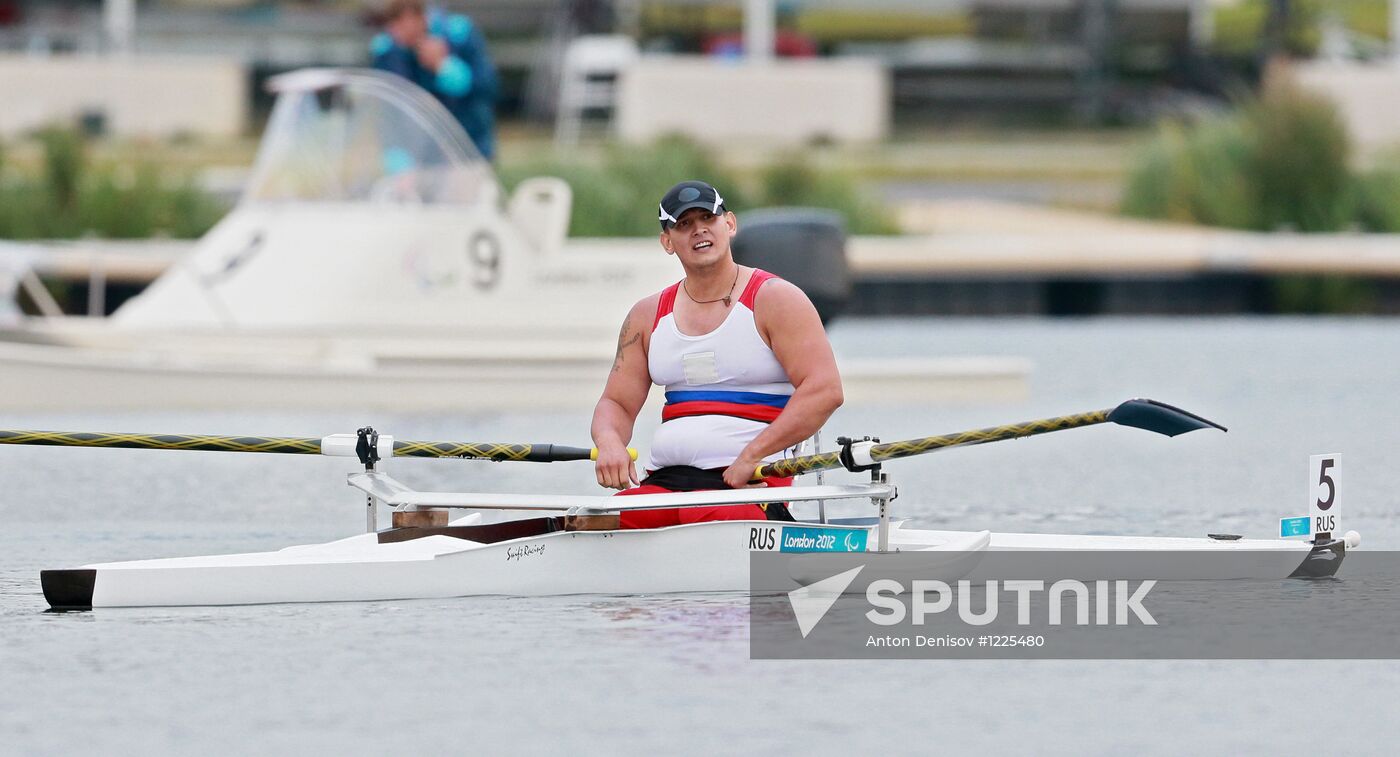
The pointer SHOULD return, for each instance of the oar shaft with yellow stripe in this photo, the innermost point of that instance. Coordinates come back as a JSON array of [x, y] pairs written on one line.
[[1145, 414], [287, 445], [339, 445], [911, 447]]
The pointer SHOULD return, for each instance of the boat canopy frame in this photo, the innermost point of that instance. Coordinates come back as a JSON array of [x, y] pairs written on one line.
[[420, 152]]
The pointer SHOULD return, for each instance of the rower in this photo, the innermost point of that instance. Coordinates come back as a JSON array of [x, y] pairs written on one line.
[[742, 356]]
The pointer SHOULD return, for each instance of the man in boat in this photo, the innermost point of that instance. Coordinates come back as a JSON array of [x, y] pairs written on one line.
[[744, 360], [446, 55]]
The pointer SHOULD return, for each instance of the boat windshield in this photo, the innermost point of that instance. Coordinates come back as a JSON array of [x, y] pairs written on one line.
[[364, 136]]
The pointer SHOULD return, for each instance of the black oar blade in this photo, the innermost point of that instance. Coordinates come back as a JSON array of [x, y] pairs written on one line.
[[1160, 417]]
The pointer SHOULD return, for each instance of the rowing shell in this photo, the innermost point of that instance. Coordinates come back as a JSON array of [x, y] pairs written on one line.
[[701, 557], [522, 555], [528, 555], [502, 545]]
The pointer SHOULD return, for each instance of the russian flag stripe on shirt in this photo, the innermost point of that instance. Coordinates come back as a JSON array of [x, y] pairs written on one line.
[[752, 406], [741, 398]]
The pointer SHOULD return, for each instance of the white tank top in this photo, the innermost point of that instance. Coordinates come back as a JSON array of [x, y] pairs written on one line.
[[722, 388]]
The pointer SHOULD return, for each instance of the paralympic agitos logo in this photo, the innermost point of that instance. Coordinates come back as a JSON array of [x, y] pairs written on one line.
[[892, 602]]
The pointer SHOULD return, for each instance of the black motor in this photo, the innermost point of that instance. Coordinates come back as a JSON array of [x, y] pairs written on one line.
[[806, 246]]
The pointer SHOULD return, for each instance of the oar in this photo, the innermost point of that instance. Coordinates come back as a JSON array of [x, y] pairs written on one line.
[[1139, 413], [336, 445]]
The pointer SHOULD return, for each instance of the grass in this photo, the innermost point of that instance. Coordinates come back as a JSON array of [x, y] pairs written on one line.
[[616, 189], [1239, 27], [69, 195], [1302, 155], [1368, 17], [825, 25], [130, 186], [1194, 176], [1282, 161], [834, 25], [1378, 200], [1316, 295]]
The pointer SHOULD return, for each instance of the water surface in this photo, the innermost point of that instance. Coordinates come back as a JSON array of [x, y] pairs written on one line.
[[640, 674]]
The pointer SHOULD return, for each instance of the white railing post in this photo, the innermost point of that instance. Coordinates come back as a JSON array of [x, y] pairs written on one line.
[[821, 475], [39, 294], [1395, 31], [119, 25], [884, 505], [759, 25], [97, 287]]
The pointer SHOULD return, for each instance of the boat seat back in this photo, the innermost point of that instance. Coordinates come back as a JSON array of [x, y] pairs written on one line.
[[540, 209]]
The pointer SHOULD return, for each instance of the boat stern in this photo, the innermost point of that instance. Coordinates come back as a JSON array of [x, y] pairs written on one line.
[[69, 589]]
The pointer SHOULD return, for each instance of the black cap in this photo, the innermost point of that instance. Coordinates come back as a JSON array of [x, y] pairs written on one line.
[[687, 195]]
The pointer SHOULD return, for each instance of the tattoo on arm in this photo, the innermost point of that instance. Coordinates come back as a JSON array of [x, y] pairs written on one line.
[[623, 342]]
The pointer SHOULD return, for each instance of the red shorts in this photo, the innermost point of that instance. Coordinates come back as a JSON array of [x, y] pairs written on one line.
[[681, 515]]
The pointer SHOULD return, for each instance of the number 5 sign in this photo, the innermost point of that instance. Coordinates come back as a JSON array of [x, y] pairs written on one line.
[[1322, 493]]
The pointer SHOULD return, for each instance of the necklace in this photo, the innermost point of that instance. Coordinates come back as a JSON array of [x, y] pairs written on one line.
[[726, 298]]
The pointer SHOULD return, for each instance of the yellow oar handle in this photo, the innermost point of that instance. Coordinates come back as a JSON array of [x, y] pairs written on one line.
[[593, 454]]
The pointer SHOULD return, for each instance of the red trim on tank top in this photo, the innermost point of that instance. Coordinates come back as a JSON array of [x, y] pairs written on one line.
[[751, 291], [666, 304], [760, 413]]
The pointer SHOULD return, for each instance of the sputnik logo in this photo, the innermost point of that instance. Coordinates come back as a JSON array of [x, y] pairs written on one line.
[[811, 602]]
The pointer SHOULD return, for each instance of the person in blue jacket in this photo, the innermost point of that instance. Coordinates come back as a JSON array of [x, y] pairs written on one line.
[[446, 55]]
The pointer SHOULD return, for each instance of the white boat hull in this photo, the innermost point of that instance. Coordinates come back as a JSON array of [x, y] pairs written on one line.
[[701, 557], [1059, 556], [57, 377]]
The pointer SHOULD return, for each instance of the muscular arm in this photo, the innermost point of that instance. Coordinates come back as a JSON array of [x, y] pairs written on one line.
[[787, 319], [623, 397]]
